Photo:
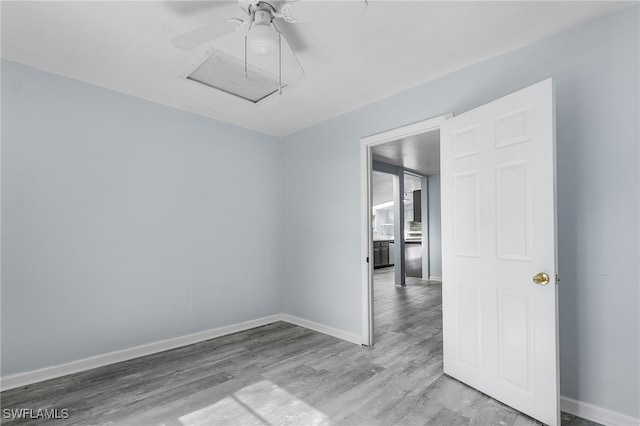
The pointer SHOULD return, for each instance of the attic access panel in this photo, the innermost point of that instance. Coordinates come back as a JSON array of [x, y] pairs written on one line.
[[226, 73], [224, 69]]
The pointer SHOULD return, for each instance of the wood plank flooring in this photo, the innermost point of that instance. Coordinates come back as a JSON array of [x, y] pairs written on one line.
[[281, 374]]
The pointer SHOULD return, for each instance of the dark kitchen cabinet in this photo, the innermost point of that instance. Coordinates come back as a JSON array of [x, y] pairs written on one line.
[[384, 253], [377, 259], [381, 257], [417, 206]]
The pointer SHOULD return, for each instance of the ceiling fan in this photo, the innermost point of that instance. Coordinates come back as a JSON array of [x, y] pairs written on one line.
[[260, 44]]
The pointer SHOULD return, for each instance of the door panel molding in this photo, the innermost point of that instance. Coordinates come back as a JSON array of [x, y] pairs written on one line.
[[498, 231]]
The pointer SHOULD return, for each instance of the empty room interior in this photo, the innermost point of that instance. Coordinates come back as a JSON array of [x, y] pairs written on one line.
[[301, 212]]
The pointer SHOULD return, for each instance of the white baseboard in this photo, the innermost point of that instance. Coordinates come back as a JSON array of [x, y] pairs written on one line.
[[568, 405], [22, 379], [321, 328], [596, 414], [29, 377], [434, 278]]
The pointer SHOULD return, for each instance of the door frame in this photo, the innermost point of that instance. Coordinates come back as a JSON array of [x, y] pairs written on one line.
[[366, 160]]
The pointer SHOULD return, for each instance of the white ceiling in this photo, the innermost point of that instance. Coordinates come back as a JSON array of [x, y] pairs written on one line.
[[382, 186], [125, 46], [418, 153]]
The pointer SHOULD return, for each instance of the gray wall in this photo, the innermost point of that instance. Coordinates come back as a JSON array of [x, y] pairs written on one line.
[[119, 226], [435, 241], [597, 76], [126, 222]]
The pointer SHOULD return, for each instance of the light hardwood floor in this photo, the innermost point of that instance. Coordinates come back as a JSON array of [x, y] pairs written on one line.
[[281, 374]]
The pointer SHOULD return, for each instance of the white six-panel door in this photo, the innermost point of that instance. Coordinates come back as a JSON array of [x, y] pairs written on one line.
[[498, 232]]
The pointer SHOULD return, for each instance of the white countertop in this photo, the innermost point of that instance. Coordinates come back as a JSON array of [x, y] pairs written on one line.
[[391, 240]]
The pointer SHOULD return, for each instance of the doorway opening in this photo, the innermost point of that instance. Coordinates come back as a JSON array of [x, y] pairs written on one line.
[[409, 156], [499, 248]]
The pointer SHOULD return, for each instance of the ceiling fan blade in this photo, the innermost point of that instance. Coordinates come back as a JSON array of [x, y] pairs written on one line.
[[207, 33], [290, 63], [234, 46], [320, 10], [292, 36], [186, 8]]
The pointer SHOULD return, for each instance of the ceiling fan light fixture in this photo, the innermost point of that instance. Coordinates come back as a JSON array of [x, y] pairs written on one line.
[[263, 39]]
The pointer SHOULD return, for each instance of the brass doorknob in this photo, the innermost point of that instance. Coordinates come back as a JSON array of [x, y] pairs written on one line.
[[541, 278]]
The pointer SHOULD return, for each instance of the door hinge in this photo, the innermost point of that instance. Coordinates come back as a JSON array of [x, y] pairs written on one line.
[[557, 279], [367, 259]]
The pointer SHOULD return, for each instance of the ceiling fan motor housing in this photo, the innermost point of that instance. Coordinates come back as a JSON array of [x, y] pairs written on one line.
[[262, 13], [261, 17]]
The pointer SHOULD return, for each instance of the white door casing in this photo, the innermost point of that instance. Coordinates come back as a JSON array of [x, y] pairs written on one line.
[[366, 144], [498, 231]]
